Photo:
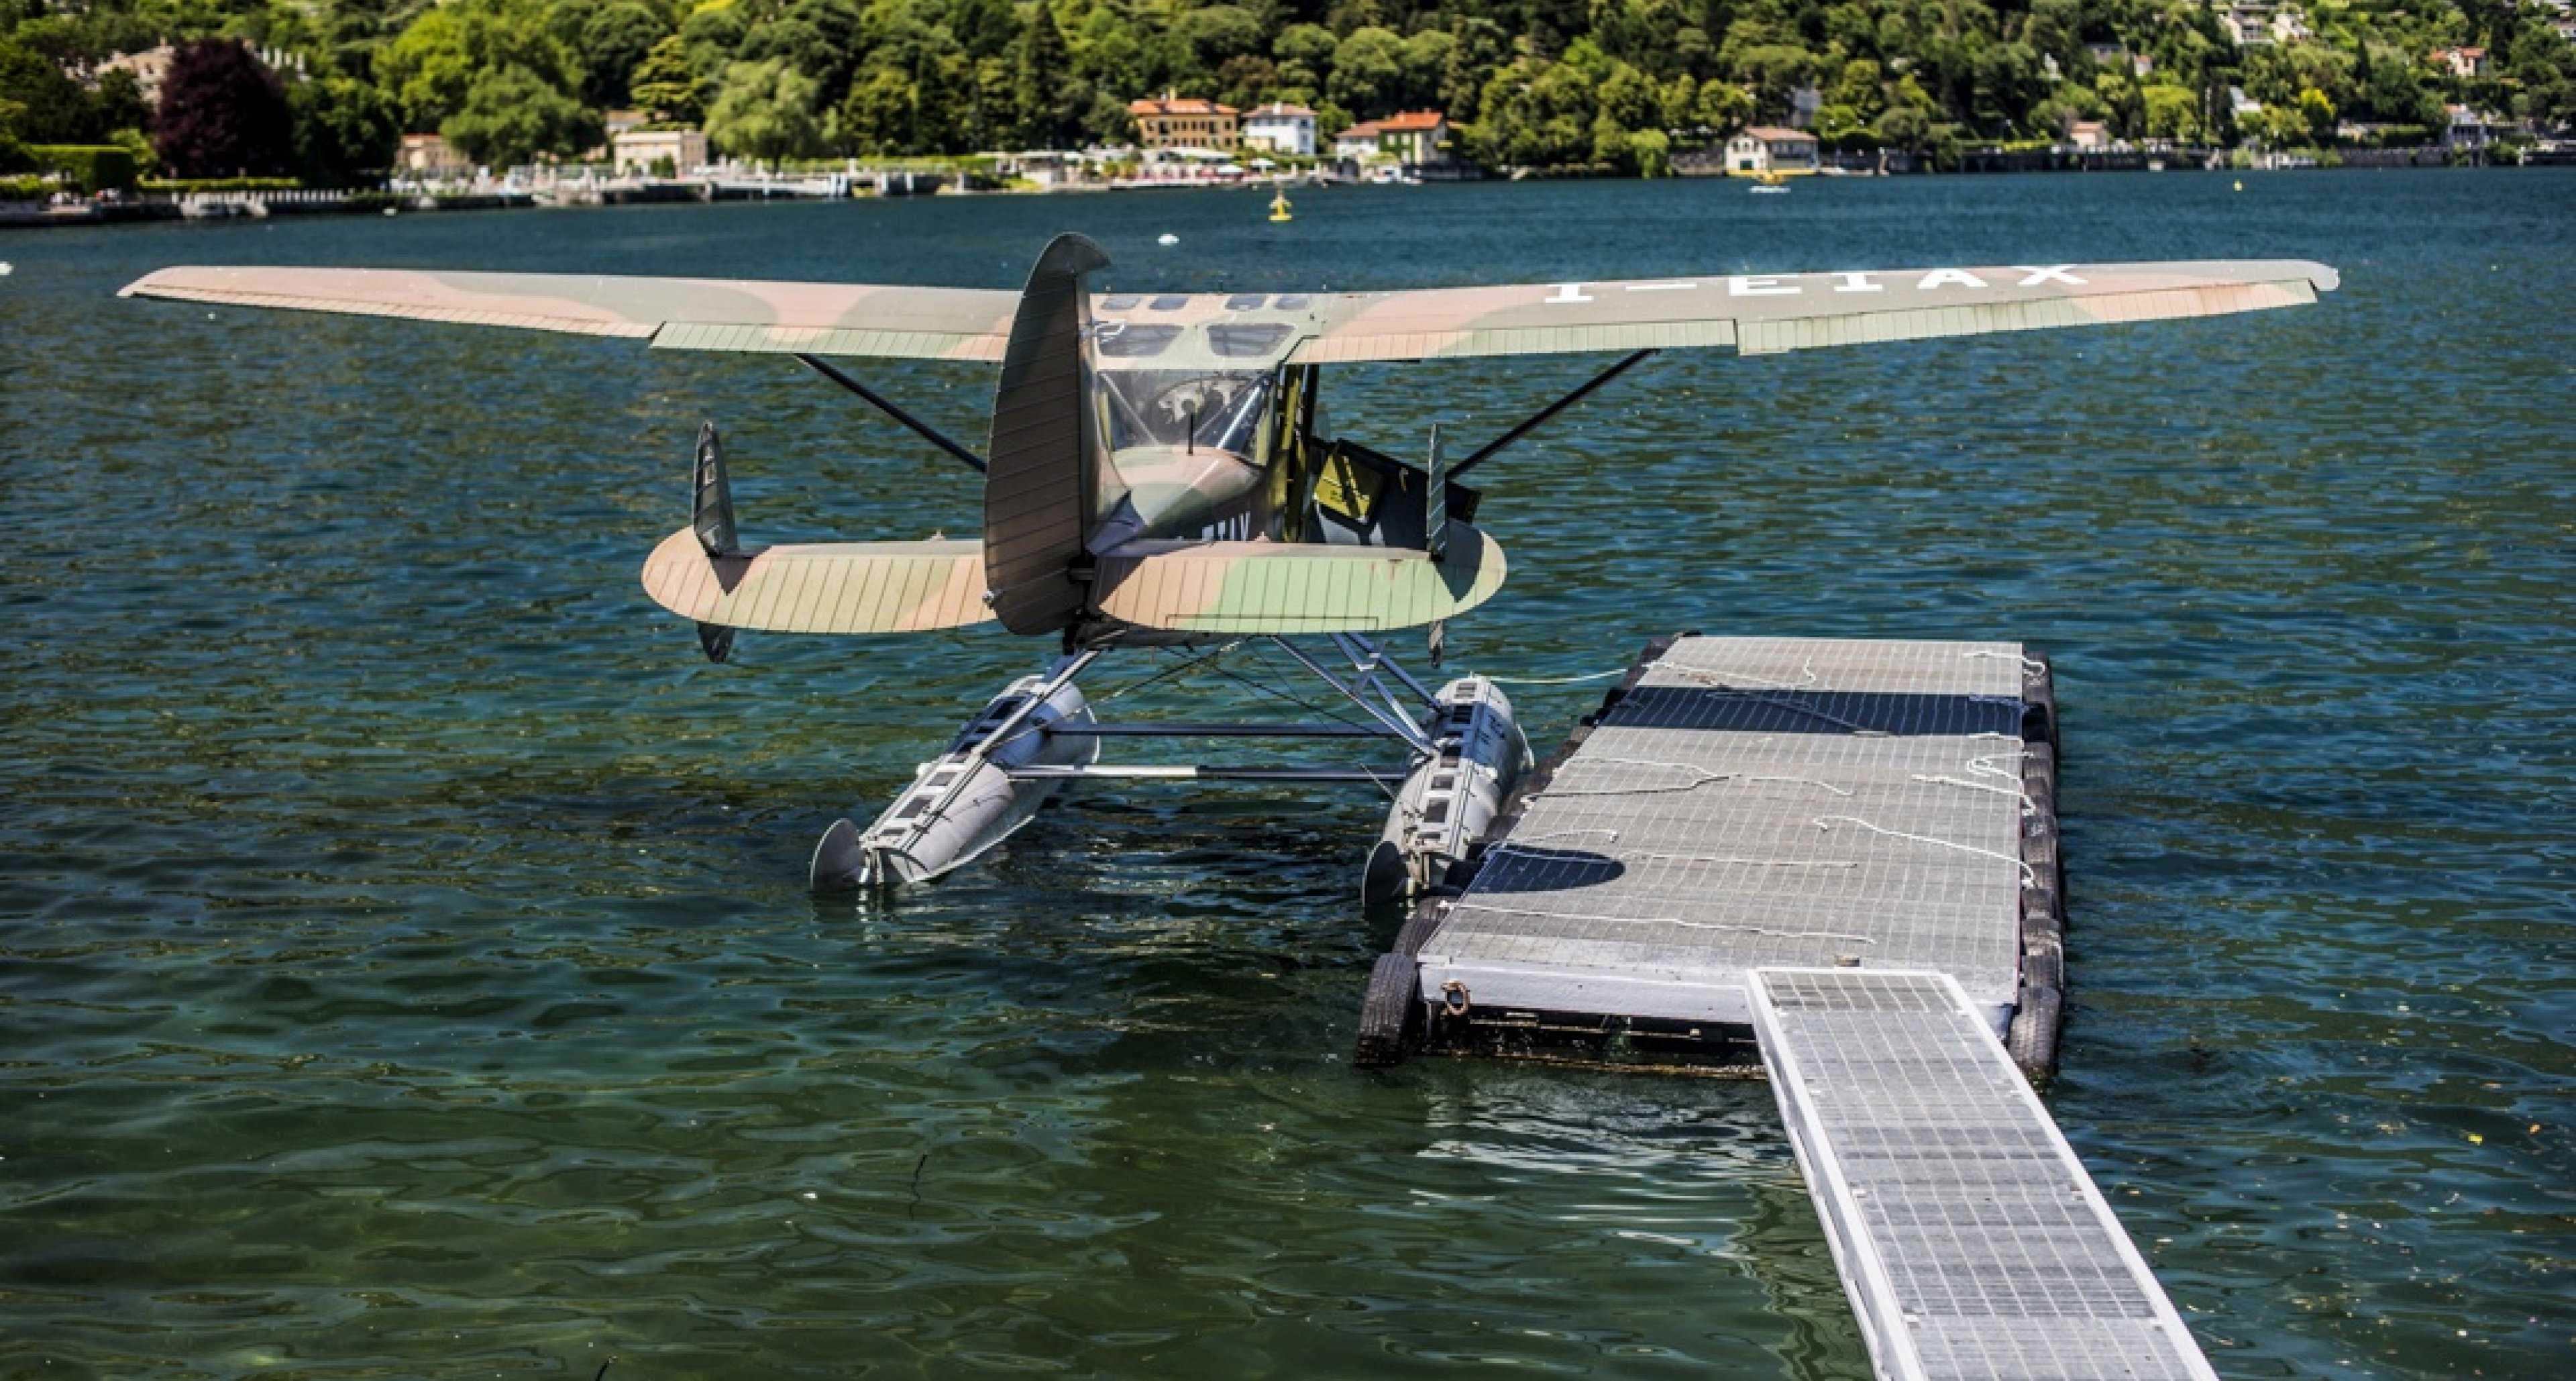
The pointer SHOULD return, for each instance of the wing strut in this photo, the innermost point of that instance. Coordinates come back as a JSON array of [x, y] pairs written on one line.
[[1532, 422], [887, 406]]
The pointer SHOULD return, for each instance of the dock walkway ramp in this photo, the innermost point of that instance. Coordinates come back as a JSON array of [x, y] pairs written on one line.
[[1973, 1245], [1844, 853]]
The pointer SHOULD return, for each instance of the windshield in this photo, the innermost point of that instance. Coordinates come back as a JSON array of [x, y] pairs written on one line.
[[1172, 407]]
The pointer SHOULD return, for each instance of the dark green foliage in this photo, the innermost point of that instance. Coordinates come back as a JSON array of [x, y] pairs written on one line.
[[666, 87], [88, 167], [50, 107], [346, 131], [222, 114], [1588, 84], [511, 115], [613, 41]]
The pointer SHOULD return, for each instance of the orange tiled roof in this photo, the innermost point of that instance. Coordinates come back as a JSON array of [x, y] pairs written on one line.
[[1769, 134], [1409, 121], [1280, 108], [1177, 105]]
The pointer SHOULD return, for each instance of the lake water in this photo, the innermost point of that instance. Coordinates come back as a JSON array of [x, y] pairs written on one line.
[[406, 968]]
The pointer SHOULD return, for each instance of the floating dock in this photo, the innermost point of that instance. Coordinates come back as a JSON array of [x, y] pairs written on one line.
[[1834, 862]]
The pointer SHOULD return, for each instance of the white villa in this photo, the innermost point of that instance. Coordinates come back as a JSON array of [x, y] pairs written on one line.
[[1281, 128], [1770, 149]]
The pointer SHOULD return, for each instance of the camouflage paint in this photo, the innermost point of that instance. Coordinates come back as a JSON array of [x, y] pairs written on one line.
[[832, 587], [1100, 545], [1288, 587]]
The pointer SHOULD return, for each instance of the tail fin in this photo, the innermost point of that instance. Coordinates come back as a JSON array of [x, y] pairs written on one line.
[[1049, 479], [711, 517]]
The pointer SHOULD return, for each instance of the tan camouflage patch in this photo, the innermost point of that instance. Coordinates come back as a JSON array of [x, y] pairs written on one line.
[[835, 587]]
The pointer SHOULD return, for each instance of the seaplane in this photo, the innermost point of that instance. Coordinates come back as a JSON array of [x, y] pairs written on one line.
[[1159, 473]]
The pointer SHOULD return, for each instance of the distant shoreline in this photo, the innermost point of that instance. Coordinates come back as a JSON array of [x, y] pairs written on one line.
[[261, 205]]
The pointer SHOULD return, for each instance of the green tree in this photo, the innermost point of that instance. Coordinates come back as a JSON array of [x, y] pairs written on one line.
[[346, 131], [614, 41], [876, 117], [2318, 114], [434, 66], [13, 150], [1309, 46], [429, 68], [2173, 113], [1368, 72], [666, 86], [53, 108], [1650, 153], [1723, 106], [1218, 32], [1774, 71], [511, 115], [1046, 98], [765, 112], [1905, 127]]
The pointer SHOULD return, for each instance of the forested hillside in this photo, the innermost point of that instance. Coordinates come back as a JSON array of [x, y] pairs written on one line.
[[1614, 84]]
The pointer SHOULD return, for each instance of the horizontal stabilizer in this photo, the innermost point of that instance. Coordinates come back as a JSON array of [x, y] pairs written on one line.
[[829, 587], [1275, 587]]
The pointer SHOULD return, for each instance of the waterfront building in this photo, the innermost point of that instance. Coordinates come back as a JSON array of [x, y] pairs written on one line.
[[2089, 134], [1414, 137], [1185, 122], [1281, 128], [2470, 128], [1046, 167], [1770, 149], [430, 158], [658, 152]]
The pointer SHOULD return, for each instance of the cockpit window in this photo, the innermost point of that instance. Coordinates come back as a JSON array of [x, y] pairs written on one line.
[[1247, 340], [1128, 340], [1172, 407]]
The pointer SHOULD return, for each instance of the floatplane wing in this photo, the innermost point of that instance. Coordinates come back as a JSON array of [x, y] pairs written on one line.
[[1749, 313], [1761, 314], [672, 313]]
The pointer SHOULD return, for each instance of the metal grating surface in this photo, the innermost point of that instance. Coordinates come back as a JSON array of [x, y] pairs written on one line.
[[1782, 802], [1971, 1240]]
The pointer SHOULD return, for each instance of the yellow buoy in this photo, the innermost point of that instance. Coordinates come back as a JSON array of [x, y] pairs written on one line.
[[1279, 207], [2240, 184]]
